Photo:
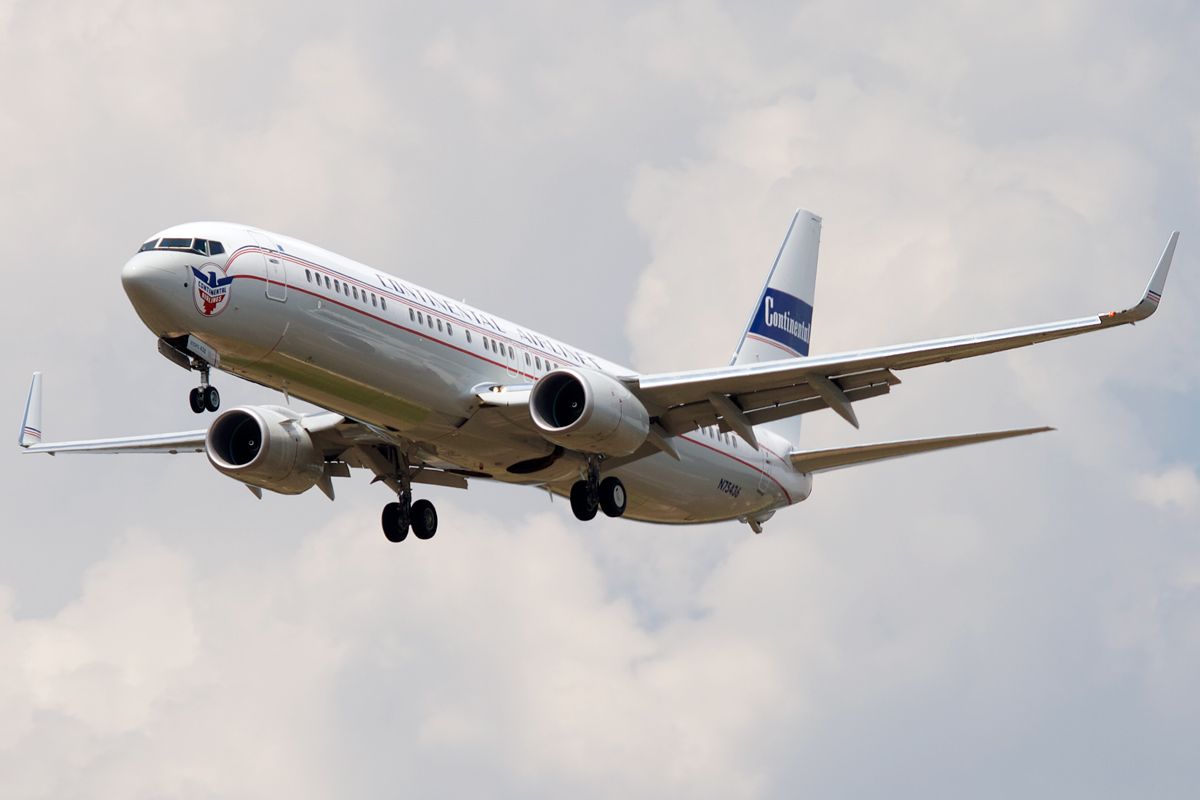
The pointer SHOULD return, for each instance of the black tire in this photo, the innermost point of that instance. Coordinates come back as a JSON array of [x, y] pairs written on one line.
[[612, 496], [212, 398], [196, 401], [424, 519], [395, 526], [583, 501]]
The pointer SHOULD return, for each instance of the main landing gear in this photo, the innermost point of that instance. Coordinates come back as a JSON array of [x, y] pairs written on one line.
[[204, 397], [592, 494], [398, 517]]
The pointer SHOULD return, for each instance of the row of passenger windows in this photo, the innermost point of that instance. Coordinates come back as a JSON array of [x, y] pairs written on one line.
[[499, 348], [428, 320], [201, 247], [713, 432], [347, 289]]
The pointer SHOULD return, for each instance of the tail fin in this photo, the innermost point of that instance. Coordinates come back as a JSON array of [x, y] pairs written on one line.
[[781, 324]]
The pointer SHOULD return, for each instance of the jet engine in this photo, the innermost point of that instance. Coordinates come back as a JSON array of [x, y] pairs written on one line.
[[264, 446], [588, 411]]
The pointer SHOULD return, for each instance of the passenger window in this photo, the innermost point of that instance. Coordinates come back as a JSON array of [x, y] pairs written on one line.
[[468, 337], [449, 329], [354, 289], [511, 354], [439, 324], [374, 299], [308, 276], [420, 318], [383, 303], [527, 363], [337, 287], [429, 321], [538, 360], [412, 315]]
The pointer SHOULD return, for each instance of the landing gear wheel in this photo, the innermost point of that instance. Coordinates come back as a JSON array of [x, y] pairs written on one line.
[[395, 522], [583, 501], [612, 496], [424, 519], [196, 401], [212, 398]]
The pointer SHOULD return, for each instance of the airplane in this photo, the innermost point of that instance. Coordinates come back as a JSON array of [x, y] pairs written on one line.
[[420, 389]]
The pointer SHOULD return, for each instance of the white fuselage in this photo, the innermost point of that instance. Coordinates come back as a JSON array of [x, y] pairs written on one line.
[[363, 343]]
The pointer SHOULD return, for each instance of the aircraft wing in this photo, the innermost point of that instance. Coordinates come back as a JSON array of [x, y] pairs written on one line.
[[739, 397], [345, 443], [184, 442]]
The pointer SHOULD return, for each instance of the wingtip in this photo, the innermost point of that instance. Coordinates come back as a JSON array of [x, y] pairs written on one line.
[[1158, 280], [1154, 289], [31, 421]]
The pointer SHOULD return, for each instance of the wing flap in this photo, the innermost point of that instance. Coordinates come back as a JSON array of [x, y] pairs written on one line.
[[840, 457]]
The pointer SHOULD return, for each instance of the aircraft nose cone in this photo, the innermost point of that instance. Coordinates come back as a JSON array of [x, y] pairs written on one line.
[[141, 278], [151, 288]]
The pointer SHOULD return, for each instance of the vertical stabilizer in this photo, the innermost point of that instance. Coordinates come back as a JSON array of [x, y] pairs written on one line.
[[781, 325], [31, 425]]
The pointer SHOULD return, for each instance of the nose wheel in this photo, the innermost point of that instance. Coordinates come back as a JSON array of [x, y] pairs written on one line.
[[204, 397]]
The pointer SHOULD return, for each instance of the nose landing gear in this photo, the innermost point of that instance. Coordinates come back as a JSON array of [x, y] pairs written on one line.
[[204, 397]]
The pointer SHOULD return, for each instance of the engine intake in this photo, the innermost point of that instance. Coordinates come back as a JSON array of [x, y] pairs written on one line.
[[588, 411], [264, 446]]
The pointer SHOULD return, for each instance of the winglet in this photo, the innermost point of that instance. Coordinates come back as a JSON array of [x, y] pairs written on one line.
[[1154, 289], [31, 424]]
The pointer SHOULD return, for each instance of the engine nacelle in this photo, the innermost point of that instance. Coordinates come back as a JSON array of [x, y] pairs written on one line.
[[588, 411], [264, 446]]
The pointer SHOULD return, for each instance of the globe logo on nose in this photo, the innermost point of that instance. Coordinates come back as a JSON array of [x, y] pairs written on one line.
[[210, 290]]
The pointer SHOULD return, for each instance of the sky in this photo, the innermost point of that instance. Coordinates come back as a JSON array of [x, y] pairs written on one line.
[[1017, 619]]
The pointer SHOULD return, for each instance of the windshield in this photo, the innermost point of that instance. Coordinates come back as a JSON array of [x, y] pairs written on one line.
[[201, 247]]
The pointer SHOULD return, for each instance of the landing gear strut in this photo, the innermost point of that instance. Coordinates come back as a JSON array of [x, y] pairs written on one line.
[[592, 494], [204, 397]]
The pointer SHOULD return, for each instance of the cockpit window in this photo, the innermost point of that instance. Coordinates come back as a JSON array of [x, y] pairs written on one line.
[[201, 247]]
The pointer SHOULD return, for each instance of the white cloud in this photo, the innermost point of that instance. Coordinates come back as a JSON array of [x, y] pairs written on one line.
[[1175, 488], [491, 645]]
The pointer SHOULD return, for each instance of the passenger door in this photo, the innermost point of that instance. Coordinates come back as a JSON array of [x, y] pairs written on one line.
[[513, 361], [275, 272]]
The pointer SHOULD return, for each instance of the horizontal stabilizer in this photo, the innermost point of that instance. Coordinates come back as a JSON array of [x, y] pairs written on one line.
[[836, 458]]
